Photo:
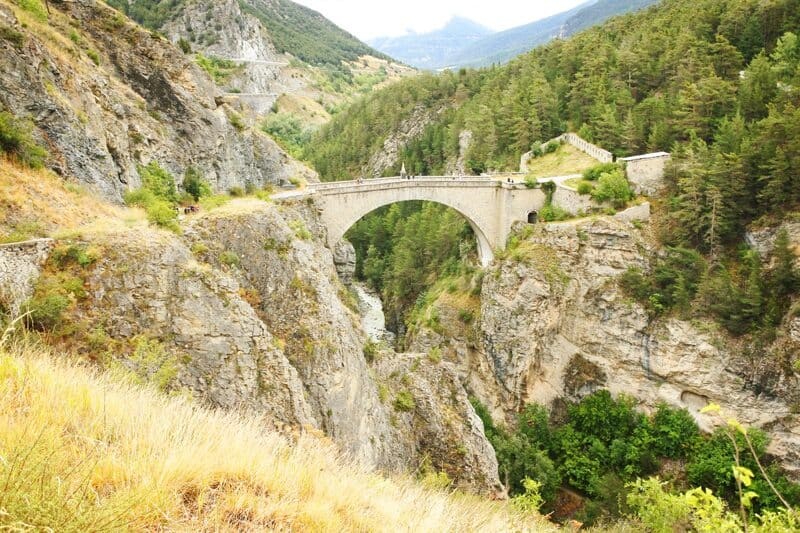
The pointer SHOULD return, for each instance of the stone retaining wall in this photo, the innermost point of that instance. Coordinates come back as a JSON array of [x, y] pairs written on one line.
[[20, 266], [604, 156]]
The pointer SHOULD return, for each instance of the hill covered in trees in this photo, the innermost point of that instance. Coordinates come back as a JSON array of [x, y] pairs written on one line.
[[717, 83]]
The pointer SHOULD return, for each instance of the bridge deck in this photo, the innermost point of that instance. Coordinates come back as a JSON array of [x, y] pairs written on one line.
[[372, 184]]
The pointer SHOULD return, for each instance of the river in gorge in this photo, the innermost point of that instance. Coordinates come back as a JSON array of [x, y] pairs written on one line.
[[372, 317]]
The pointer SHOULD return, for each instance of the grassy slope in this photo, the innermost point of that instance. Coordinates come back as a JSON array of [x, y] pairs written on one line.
[[80, 451], [37, 203], [563, 162]]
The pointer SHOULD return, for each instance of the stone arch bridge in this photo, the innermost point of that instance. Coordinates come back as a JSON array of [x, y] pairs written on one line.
[[489, 205]]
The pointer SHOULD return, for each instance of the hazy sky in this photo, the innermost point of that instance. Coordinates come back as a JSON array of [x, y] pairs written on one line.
[[367, 19]]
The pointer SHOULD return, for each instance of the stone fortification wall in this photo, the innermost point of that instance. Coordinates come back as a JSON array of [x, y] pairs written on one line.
[[604, 156], [20, 266], [646, 172], [572, 202]]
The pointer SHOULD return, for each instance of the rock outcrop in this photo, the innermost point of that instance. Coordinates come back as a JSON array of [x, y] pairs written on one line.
[[410, 129], [152, 286], [105, 96], [289, 277], [554, 325]]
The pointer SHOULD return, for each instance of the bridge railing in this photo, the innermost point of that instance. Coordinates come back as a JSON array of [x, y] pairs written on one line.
[[386, 181]]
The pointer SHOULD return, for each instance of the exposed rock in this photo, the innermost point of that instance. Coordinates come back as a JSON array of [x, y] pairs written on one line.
[[639, 213], [344, 257], [150, 284], [298, 295], [221, 29], [298, 292], [554, 325], [763, 239], [437, 420], [459, 167], [143, 101], [411, 128], [20, 265]]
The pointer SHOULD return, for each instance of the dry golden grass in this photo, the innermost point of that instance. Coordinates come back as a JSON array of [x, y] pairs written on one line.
[[35, 203], [563, 162], [81, 451], [309, 111]]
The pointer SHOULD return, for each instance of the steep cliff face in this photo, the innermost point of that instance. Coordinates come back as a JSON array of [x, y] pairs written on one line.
[[106, 95], [410, 128], [150, 286], [245, 310], [290, 278], [555, 326]]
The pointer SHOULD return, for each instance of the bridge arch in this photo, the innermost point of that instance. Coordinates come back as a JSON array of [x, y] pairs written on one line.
[[337, 233]]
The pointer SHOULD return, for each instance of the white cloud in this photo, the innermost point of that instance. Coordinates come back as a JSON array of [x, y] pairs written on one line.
[[367, 19]]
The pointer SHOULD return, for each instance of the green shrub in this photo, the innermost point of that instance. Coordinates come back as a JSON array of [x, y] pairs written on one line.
[[585, 187], [94, 56], [35, 8], [195, 185], [158, 181], [229, 258], [81, 255], [212, 202], [12, 36], [16, 141], [594, 173], [45, 312], [531, 182], [552, 213], [300, 230], [404, 401], [236, 121], [675, 432], [370, 351], [139, 198], [236, 191], [435, 355], [184, 45], [288, 131], [162, 214], [220, 70], [612, 187]]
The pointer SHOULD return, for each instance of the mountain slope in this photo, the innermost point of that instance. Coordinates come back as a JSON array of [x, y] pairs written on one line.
[[503, 46], [265, 52], [434, 49], [114, 96], [306, 34], [293, 28]]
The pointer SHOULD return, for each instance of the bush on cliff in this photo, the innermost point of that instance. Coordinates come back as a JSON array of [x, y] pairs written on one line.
[[158, 196], [16, 141]]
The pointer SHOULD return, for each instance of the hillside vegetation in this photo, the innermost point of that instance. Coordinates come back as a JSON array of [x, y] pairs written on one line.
[[81, 451], [716, 83]]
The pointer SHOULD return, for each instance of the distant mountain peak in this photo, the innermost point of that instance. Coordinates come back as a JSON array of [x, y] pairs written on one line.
[[464, 42], [459, 24]]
